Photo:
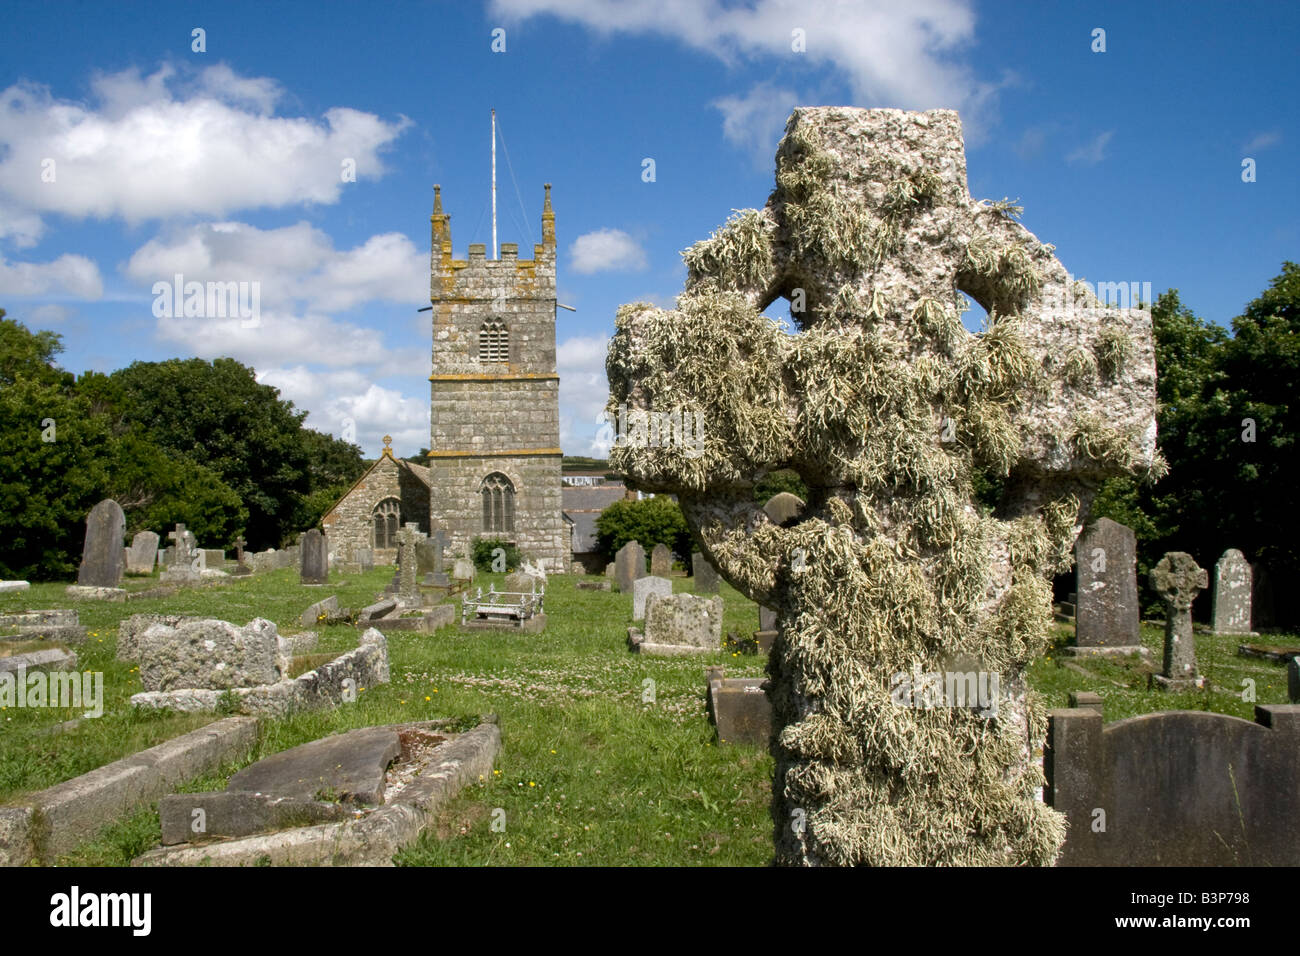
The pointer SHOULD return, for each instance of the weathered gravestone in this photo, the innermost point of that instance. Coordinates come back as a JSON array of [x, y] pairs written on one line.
[[1232, 585], [885, 405], [1177, 579], [705, 574], [679, 623], [365, 559], [433, 554], [1177, 788], [241, 566], [642, 588], [629, 564], [661, 561], [463, 569], [740, 709], [407, 564], [315, 558], [103, 561], [183, 561], [211, 654], [143, 553], [1107, 614], [521, 582]]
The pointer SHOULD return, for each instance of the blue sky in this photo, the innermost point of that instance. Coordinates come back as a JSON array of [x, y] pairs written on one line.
[[227, 164]]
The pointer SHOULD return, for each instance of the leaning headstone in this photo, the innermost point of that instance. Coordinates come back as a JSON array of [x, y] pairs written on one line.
[[1177, 579], [661, 561], [1231, 598], [315, 558], [211, 654], [103, 560], [319, 611], [705, 574], [143, 553], [886, 405], [642, 588], [629, 564], [1107, 615]]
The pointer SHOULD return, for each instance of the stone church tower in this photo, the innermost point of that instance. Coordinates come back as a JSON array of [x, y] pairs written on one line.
[[494, 455]]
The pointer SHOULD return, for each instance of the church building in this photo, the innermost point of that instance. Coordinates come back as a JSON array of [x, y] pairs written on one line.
[[494, 460]]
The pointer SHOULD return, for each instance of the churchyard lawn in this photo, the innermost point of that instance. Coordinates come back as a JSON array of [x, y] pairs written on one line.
[[598, 766]]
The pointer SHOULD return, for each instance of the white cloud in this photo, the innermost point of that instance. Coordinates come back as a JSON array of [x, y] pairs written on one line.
[[1092, 152], [607, 250], [584, 390], [43, 316], [168, 144], [892, 54], [754, 122], [345, 402], [68, 274], [1262, 141], [293, 264]]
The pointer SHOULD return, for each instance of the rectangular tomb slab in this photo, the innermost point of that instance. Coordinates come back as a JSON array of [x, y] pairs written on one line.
[[346, 767], [191, 817]]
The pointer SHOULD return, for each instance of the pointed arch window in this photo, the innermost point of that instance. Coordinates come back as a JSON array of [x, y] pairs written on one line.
[[498, 503], [493, 341], [388, 518]]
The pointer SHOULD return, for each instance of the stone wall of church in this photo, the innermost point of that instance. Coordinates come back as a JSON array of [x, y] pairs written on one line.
[[350, 524], [540, 531]]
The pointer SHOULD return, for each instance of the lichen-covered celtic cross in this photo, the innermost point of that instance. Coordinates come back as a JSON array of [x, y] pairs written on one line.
[[890, 411]]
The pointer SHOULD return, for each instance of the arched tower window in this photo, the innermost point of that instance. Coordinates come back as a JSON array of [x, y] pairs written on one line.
[[498, 503], [388, 518], [493, 341]]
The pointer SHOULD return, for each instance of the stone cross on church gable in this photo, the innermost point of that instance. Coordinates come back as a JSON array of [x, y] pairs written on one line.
[[885, 405]]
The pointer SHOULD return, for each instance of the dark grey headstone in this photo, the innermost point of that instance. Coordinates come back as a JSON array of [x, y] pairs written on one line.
[[629, 565], [741, 711], [315, 558], [103, 559], [705, 574], [1178, 788], [238, 814], [1106, 614], [1232, 586]]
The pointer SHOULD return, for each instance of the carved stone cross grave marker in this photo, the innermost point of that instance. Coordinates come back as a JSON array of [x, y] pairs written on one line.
[[1178, 579], [886, 406]]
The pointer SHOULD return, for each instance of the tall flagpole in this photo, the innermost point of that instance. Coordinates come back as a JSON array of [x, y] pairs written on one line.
[[494, 184]]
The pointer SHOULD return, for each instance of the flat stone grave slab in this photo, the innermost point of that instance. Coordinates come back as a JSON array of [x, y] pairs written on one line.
[[13, 587], [55, 624], [52, 659], [347, 767], [1279, 653]]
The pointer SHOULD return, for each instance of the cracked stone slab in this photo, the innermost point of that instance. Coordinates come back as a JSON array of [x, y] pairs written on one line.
[[350, 767]]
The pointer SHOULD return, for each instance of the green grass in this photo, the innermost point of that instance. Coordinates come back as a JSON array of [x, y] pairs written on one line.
[[591, 771]]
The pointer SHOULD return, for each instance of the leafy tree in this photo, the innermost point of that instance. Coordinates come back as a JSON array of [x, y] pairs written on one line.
[[650, 521], [53, 454], [775, 482], [217, 415], [29, 355], [482, 551]]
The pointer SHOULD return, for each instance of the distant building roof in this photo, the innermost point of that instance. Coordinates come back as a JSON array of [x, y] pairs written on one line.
[[583, 506]]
